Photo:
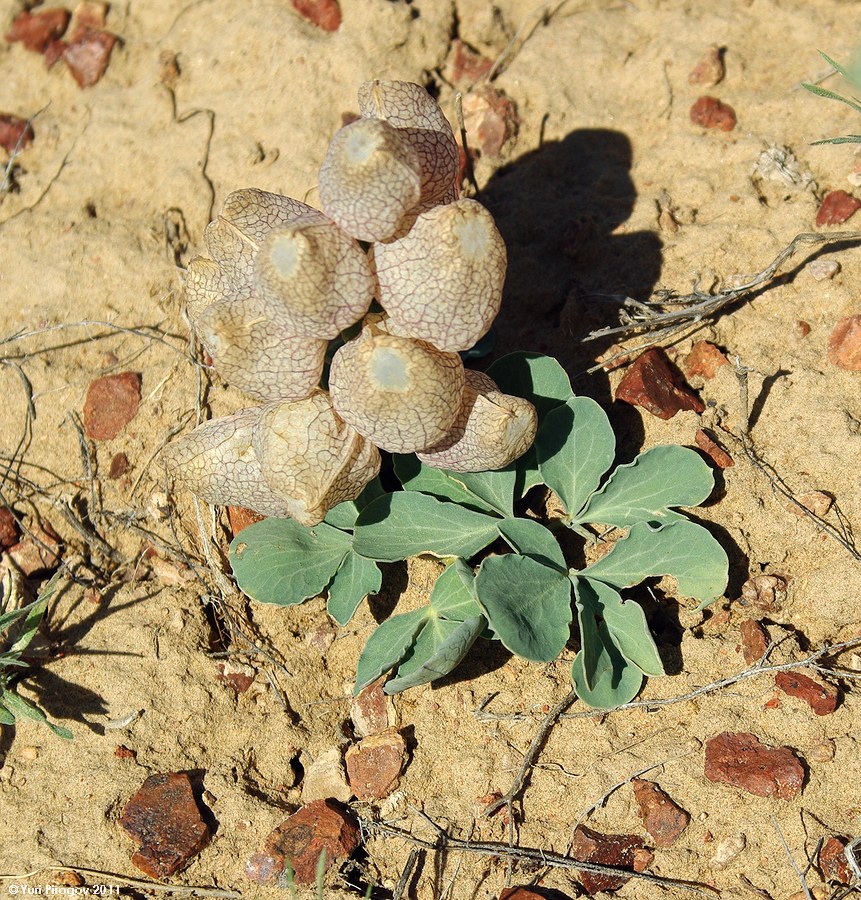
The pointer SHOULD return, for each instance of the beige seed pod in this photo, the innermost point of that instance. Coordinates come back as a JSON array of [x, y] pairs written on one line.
[[256, 355], [205, 284], [492, 430], [217, 462], [410, 108], [442, 281], [399, 393], [313, 278], [370, 179], [309, 455], [246, 217]]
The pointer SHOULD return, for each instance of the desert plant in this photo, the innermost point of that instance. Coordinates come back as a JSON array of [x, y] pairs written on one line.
[[18, 627], [525, 594], [853, 78]]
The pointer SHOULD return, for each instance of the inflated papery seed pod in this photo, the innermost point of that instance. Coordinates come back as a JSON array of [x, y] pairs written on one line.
[[217, 462], [492, 429], [400, 393], [246, 217], [258, 356], [205, 284], [370, 180], [313, 278], [410, 108], [310, 456], [442, 281]]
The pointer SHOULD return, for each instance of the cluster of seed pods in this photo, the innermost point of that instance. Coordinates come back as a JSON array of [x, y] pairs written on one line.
[[283, 279]]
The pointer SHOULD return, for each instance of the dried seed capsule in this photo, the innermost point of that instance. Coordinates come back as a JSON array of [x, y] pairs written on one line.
[[399, 393], [246, 217], [442, 282], [312, 278], [205, 284], [216, 461], [310, 456], [370, 179], [411, 109], [492, 429], [256, 355]]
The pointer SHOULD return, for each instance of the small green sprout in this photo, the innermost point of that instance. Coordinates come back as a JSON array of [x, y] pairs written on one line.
[[525, 598], [18, 627], [854, 78]]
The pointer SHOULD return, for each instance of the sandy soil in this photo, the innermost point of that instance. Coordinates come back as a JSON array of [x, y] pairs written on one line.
[[115, 193]]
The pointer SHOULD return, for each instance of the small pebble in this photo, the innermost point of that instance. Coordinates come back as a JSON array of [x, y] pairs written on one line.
[[15, 133], [710, 70], [239, 517], [663, 818], [36, 30], [727, 850], [802, 328], [709, 112], [844, 344], [372, 710], [374, 765], [8, 528], [236, 675], [704, 359], [754, 640], [823, 269], [112, 402], [605, 849], [119, 466], [766, 592], [741, 760], [520, 893], [325, 14], [325, 778], [30, 754], [653, 383], [836, 208], [832, 860], [713, 450], [822, 752], [490, 119], [123, 752], [817, 502], [820, 696], [38, 551], [464, 66]]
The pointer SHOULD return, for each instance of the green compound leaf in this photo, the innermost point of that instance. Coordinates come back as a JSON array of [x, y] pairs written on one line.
[[344, 515], [416, 476], [355, 579], [531, 538], [625, 624], [453, 594], [575, 447], [280, 561], [527, 604], [615, 681], [533, 376], [643, 490], [439, 648], [404, 524], [681, 549], [388, 645]]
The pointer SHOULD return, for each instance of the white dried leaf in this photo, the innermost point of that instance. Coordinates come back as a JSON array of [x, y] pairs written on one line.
[[217, 462], [311, 456], [313, 278], [442, 281], [370, 179], [400, 393], [492, 429], [258, 356], [410, 108]]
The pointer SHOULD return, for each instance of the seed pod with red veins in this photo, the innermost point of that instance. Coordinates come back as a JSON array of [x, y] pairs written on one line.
[[400, 393], [310, 456], [442, 281], [217, 462], [492, 430], [370, 180], [411, 109], [258, 356]]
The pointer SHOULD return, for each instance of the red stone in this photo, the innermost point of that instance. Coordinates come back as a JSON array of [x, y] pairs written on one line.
[[123, 752], [324, 825], [490, 119], [709, 112], [820, 696], [239, 517], [88, 54], [374, 765], [832, 861], [739, 759], [164, 819], [653, 383], [38, 551], [36, 30], [662, 817], [235, 675], [713, 449], [15, 133], [767, 592], [466, 66], [112, 402], [704, 359], [606, 850], [119, 466], [325, 14], [371, 709], [836, 208], [522, 893], [8, 528], [844, 345], [754, 640]]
